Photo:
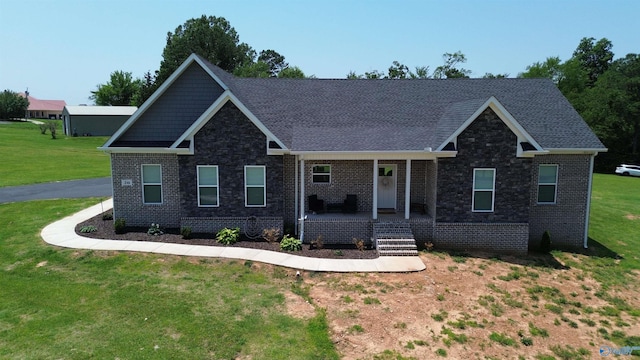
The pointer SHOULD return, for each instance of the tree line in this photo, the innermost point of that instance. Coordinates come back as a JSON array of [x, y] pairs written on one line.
[[605, 91]]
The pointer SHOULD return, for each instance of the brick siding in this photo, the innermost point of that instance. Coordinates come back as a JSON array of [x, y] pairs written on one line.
[[486, 143], [127, 200], [564, 220], [499, 238]]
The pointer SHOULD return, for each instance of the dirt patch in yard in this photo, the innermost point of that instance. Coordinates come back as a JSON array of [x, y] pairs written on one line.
[[458, 302], [632, 217]]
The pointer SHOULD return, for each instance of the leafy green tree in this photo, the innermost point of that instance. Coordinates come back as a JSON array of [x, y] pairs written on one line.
[[147, 87], [352, 75], [119, 91], [494, 76], [253, 70], [12, 105], [551, 68], [398, 71], [291, 73], [274, 60], [422, 72], [594, 57], [450, 70], [613, 107], [211, 37]]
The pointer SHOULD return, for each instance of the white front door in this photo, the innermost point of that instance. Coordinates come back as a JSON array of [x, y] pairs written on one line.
[[387, 186]]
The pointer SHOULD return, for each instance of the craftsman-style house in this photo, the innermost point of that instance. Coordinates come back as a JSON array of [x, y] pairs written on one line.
[[462, 163]]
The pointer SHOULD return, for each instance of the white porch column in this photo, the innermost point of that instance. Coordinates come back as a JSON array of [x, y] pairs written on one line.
[[407, 190], [295, 196], [375, 190], [302, 199]]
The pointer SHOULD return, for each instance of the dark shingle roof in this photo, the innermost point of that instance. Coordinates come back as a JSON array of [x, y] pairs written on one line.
[[394, 115]]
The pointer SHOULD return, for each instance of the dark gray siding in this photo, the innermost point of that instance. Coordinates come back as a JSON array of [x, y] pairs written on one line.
[[486, 143], [95, 125], [230, 141], [177, 108]]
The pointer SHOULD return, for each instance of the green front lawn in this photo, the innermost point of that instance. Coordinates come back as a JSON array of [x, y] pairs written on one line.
[[28, 157], [74, 304]]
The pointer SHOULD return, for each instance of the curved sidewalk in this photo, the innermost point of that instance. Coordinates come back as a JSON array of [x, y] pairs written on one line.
[[62, 233]]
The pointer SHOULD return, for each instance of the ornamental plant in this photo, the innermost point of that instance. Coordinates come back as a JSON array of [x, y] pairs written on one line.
[[155, 230], [120, 226], [289, 243], [228, 236]]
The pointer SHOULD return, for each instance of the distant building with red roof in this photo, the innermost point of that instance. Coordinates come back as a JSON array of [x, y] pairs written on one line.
[[44, 109]]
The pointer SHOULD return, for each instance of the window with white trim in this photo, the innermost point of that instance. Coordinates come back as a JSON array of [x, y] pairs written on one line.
[[321, 174], [547, 184], [255, 189], [484, 182], [208, 186], [151, 184]]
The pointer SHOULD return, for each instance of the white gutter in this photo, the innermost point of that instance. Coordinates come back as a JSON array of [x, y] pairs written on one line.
[[588, 212]]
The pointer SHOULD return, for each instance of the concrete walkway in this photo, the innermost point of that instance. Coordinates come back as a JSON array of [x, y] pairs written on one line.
[[62, 233]]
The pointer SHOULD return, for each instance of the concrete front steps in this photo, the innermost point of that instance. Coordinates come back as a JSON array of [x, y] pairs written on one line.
[[394, 239]]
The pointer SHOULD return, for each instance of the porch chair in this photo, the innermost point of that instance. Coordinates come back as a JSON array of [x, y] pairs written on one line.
[[350, 204], [316, 205]]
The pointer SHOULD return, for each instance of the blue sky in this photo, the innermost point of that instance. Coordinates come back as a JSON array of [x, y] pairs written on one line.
[[63, 49]]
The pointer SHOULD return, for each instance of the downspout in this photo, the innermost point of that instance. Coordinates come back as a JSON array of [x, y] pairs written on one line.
[[374, 211], [302, 200], [588, 212], [295, 196]]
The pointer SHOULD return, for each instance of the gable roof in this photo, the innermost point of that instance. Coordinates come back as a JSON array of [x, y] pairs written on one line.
[[100, 110], [340, 115], [43, 105]]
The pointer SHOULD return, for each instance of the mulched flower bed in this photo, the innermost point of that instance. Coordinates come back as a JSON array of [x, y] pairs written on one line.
[[105, 230]]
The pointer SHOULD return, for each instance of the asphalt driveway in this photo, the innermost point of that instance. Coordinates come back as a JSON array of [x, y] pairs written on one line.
[[100, 187]]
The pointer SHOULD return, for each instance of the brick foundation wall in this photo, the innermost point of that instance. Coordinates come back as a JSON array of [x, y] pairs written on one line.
[[212, 225], [422, 230], [338, 231], [127, 200], [499, 238], [565, 220]]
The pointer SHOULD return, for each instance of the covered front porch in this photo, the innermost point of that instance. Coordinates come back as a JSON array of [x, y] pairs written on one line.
[[388, 192]]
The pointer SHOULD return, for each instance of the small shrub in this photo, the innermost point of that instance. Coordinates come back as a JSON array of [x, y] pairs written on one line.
[[107, 216], [289, 243], [155, 230], [317, 243], [359, 243], [439, 316], [526, 341], [228, 236], [545, 243], [185, 231], [502, 339], [52, 128], [356, 329], [271, 235], [120, 226], [338, 252], [428, 246], [371, 300], [88, 229], [43, 128]]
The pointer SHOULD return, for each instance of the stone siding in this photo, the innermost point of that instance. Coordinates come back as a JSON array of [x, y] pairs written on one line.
[[230, 141], [486, 143], [565, 219], [498, 238], [127, 199]]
